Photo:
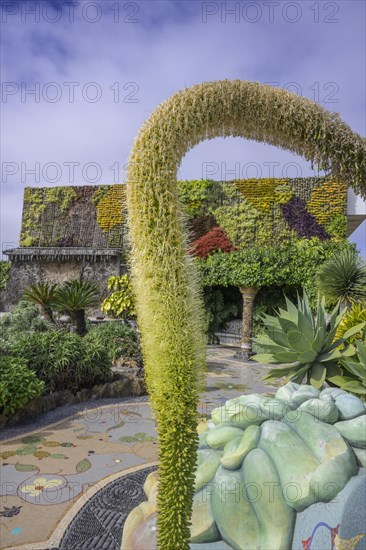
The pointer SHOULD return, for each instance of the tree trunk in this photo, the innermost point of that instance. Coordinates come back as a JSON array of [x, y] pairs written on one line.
[[47, 314], [80, 321], [248, 294]]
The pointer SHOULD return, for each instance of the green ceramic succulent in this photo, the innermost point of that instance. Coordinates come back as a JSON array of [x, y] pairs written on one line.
[[261, 461], [304, 343]]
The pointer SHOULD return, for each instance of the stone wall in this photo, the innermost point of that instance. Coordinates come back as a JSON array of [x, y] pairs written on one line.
[[24, 272]]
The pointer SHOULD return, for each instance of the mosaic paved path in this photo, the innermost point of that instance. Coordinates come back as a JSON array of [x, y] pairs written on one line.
[[49, 471]]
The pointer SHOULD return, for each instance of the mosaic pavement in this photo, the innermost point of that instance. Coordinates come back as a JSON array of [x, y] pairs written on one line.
[[45, 472]]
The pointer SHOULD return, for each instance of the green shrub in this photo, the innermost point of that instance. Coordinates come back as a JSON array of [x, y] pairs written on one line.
[[64, 360], [25, 317], [219, 311], [118, 339], [121, 303], [18, 385], [4, 274]]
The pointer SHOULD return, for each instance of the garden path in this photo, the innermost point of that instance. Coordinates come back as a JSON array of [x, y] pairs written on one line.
[[49, 470]]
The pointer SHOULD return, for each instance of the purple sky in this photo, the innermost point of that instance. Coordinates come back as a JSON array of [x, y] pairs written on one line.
[[100, 68]]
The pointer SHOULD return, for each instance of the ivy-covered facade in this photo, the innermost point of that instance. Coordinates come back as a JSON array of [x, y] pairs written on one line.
[[81, 231], [252, 212]]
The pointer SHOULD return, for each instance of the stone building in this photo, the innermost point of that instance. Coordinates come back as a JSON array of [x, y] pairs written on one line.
[[81, 232], [68, 233]]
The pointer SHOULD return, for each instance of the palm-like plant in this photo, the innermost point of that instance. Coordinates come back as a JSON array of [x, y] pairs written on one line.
[[73, 298], [306, 343], [343, 278], [44, 295]]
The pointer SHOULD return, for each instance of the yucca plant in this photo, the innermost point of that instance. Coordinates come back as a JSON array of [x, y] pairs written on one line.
[[42, 294], [73, 298], [343, 278], [304, 343], [354, 375]]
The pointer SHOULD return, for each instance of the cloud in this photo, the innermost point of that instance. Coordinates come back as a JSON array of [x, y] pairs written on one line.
[[136, 65]]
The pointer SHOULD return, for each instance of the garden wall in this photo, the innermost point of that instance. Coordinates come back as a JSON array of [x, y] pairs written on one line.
[[30, 265]]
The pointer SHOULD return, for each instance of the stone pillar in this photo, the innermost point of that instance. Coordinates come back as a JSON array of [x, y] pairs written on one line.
[[248, 294]]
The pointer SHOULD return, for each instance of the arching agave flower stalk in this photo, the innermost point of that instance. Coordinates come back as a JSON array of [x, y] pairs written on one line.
[[304, 343], [169, 306]]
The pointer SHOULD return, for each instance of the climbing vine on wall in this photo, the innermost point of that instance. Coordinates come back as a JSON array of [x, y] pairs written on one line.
[[111, 208], [252, 212], [76, 216]]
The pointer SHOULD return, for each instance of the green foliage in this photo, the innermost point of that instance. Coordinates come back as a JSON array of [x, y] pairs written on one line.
[[294, 264], [75, 295], [355, 316], [193, 195], [4, 274], [73, 298], [40, 293], [337, 226], [118, 339], [343, 277], [64, 360], [36, 201], [63, 196], [218, 311], [267, 301], [246, 223], [23, 318], [44, 295], [354, 375], [18, 385], [199, 197], [296, 338], [121, 303]]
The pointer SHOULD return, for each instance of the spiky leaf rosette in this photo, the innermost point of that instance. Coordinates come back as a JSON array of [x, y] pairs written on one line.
[[344, 278], [41, 293], [76, 295], [303, 344], [169, 307]]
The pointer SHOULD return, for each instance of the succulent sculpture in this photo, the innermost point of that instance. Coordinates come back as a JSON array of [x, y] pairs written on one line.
[[169, 307], [305, 342], [260, 461]]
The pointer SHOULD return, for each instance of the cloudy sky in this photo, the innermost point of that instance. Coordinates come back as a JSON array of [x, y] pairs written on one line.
[[79, 79]]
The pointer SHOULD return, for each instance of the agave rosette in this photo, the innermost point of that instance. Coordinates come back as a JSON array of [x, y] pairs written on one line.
[[304, 344]]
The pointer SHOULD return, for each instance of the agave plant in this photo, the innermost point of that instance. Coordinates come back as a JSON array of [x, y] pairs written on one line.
[[304, 343], [354, 377], [73, 298], [343, 278], [42, 294]]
